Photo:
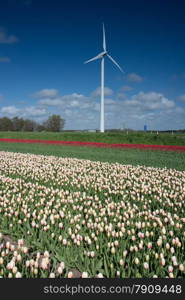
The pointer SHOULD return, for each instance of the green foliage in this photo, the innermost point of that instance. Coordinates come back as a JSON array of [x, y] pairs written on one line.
[[122, 209], [54, 123], [107, 137], [155, 137], [18, 124], [6, 124], [157, 158]]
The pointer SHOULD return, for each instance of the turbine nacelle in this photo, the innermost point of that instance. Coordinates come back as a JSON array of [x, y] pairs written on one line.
[[100, 55], [104, 53]]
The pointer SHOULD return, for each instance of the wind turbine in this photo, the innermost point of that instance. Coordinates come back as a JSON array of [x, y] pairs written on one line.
[[101, 56]]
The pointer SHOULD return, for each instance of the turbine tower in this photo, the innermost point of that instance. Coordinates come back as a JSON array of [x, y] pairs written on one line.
[[102, 56]]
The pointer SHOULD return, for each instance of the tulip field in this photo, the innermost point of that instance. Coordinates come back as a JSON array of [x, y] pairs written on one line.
[[69, 217]]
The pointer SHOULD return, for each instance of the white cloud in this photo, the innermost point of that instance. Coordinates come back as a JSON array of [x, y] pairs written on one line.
[[152, 100], [67, 101], [133, 77], [121, 96], [126, 88], [77, 96], [107, 92], [31, 111], [51, 102], [182, 98], [151, 108], [68, 112], [7, 39], [10, 110], [83, 112], [5, 59], [74, 103], [109, 101], [46, 93], [74, 100]]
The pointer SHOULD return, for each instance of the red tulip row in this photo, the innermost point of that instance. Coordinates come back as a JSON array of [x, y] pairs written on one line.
[[94, 144]]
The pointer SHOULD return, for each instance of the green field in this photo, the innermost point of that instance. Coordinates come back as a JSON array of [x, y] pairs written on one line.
[[108, 137], [66, 217], [51, 202], [168, 159]]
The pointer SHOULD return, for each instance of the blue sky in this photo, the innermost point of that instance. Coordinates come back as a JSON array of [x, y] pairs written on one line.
[[43, 45]]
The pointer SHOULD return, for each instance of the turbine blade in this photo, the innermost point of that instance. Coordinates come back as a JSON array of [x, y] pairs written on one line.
[[104, 40], [94, 58], [115, 62]]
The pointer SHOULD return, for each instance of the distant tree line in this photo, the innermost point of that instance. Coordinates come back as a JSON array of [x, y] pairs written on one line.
[[53, 123]]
